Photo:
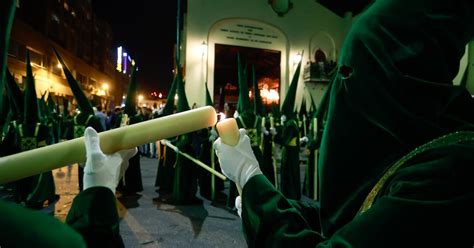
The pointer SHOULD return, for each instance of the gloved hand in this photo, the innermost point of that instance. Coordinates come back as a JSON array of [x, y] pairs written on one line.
[[273, 131], [213, 135], [303, 139], [103, 170], [238, 163], [168, 144], [238, 205], [265, 131]]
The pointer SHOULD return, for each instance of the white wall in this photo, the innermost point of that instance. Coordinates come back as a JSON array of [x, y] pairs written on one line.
[[300, 27]]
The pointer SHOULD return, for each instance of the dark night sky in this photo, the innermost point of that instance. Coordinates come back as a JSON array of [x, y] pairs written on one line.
[[147, 31]]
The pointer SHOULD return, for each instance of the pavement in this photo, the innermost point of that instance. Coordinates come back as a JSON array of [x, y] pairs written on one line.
[[147, 222]]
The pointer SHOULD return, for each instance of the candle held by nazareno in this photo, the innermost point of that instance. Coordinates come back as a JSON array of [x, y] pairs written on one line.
[[47, 158]]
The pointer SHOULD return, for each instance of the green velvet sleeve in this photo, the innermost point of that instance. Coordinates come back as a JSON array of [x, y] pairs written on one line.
[[270, 220], [22, 227], [428, 203], [94, 215]]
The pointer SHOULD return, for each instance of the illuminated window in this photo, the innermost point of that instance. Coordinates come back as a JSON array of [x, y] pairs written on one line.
[[36, 58], [81, 79], [56, 68]]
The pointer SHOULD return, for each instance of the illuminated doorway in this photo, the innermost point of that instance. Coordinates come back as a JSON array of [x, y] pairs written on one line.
[[267, 71]]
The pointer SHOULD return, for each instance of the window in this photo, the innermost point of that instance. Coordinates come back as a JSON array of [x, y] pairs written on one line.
[[81, 79], [56, 67], [92, 81], [36, 58], [17, 50]]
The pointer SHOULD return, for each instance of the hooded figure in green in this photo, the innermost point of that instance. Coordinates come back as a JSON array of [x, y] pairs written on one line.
[[6, 22], [397, 151], [92, 226], [250, 121], [132, 180], [30, 134], [185, 174], [315, 130], [290, 184], [166, 156], [209, 185], [303, 118], [54, 118], [14, 112], [85, 118], [266, 132]]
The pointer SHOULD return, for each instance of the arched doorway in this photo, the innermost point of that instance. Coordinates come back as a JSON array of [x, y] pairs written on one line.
[[259, 44]]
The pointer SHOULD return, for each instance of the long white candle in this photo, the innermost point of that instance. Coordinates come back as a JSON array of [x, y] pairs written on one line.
[[47, 158]]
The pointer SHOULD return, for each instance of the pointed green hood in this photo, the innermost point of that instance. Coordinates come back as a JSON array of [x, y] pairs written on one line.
[[168, 109], [43, 108], [275, 110], [303, 110], [5, 111], [288, 107], [244, 100], [182, 99], [222, 93], [130, 102], [257, 99], [31, 111], [313, 108], [65, 108], [16, 97], [51, 105], [208, 97], [82, 101], [7, 12]]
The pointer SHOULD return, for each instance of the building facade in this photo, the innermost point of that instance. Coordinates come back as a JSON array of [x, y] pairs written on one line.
[[83, 40], [293, 30], [307, 30]]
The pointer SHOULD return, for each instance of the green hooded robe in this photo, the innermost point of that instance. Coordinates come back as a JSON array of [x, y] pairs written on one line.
[[290, 184], [167, 157], [185, 174], [132, 180], [86, 117], [393, 92]]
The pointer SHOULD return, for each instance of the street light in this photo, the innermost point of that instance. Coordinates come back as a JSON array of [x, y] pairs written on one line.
[[140, 98], [203, 48], [105, 86], [297, 58]]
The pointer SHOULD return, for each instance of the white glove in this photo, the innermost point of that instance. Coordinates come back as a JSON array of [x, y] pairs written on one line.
[[168, 144], [265, 131], [238, 163], [213, 136], [304, 139], [103, 170], [238, 205], [273, 131]]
